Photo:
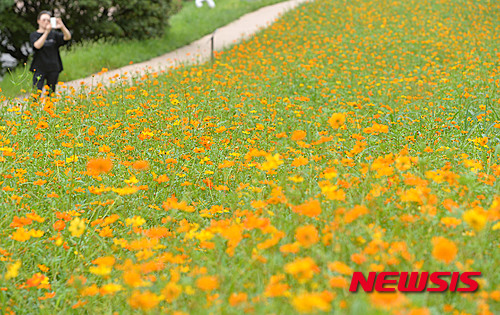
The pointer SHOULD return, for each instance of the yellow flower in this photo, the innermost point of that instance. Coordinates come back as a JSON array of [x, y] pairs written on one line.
[[77, 227], [135, 221], [131, 180], [110, 288], [72, 158], [272, 162], [13, 270], [101, 270], [296, 179], [475, 218], [336, 120], [126, 190]]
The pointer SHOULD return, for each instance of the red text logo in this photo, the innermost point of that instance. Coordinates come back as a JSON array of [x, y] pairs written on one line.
[[415, 281]]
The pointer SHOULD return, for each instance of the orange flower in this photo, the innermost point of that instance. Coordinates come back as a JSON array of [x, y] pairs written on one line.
[[387, 300], [21, 235], [38, 280], [302, 268], [311, 302], [98, 166], [355, 213], [207, 283], [275, 287], [237, 298], [91, 130], [444, 250], [290, 248], [298, 135], [104, 261], [146, 300], [161, 179], [140, 165], [132, 278], [59, 225], [358, 258], [338, 282], [336, 120], [300, 161], [307, 235], [340, 267], [310, 208], [171, 291]]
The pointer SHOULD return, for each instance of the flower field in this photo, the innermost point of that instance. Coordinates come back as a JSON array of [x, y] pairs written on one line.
[[348, 136]]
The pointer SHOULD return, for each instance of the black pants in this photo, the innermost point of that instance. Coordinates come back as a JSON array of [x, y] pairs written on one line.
[[40, 77]]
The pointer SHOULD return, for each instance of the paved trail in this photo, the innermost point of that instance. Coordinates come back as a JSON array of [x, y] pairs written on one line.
[[198, 51]]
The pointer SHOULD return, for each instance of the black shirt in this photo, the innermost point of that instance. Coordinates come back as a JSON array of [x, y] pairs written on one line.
[[47, 58]]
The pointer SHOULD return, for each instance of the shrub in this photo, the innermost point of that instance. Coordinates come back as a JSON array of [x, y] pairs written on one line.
[[86, 19]]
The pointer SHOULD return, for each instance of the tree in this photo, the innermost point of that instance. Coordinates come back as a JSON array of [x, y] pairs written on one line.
[[86, 19]]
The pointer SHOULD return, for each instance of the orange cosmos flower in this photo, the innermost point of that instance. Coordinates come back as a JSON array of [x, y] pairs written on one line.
[[171, 291], [339, 282], [146, 300], [207, 283], [444, 250], [387, 300], [275, 287], [20, 235], [290, 248], [161, 179], [237, 298], [59, 225], [311, 302], [307, 235], [358, 258], [302, 268], [38, 280], [132, 278], [98, 166], [298, 135], [355, 213], [300, 161], [310, 208], [340, 267], [337, 120], [141, 165], [91, 130]]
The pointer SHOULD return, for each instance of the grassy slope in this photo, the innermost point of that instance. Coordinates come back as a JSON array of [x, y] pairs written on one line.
[[189, 24]]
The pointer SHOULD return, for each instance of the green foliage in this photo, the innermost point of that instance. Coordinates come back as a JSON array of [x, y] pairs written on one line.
[[86, 19]]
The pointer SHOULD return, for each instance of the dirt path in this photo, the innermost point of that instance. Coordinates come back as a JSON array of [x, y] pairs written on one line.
[[198, 51]]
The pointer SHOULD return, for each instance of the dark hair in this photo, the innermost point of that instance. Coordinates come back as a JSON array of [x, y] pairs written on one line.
[[43, 12]]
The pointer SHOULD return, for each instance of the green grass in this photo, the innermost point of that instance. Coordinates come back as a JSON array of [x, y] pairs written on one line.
[[188, 25]]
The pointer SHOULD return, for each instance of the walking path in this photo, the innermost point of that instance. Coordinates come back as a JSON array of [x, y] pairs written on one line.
[[198, 51]]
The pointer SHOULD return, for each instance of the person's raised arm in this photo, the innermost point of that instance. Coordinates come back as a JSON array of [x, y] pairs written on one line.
[[38, 44], [64, 29]]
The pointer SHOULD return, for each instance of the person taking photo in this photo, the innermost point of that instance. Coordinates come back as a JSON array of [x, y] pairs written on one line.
[[47, 64]]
